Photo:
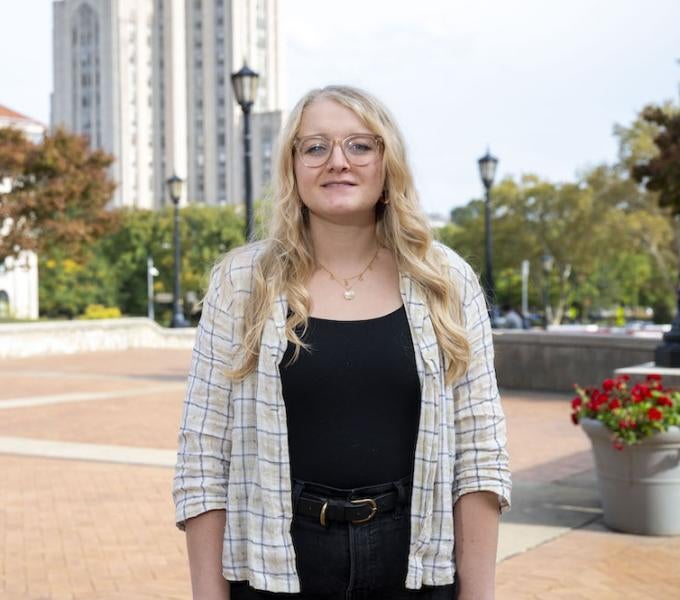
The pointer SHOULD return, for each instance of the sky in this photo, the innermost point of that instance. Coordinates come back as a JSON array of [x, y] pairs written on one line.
[[539, 83]]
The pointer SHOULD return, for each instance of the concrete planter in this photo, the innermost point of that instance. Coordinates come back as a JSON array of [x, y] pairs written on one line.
[[640, 485]]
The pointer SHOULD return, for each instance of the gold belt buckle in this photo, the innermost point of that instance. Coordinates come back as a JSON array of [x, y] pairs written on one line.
[[322, 515], [368, 501]]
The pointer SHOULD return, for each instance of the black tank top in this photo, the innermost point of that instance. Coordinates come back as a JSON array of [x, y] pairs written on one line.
[[353, 402]]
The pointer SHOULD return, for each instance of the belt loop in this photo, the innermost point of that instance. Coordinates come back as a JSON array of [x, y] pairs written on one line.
[[298, 488], [401, 498]]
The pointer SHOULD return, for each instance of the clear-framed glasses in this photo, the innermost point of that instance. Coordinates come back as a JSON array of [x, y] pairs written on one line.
[[360, 149]]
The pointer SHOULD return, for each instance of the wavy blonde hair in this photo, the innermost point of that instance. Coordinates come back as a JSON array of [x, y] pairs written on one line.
[[287, 262]]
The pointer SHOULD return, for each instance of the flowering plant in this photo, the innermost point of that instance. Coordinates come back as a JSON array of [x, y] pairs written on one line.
[[630, 414]]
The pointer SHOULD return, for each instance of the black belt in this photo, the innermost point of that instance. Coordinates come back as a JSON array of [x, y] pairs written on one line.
[[352, 510]]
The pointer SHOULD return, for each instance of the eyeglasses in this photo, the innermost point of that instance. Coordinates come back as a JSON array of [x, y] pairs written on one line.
[[360, 149]]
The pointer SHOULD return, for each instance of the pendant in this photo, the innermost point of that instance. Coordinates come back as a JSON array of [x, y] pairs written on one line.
[[349, 294]]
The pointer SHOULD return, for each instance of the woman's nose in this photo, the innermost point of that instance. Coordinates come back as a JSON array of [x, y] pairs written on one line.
[[337, 159]]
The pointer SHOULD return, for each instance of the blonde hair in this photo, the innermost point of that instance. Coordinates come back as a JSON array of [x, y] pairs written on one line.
[[287, 262]]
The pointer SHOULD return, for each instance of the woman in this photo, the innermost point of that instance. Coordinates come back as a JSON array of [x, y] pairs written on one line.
[[342, 424]]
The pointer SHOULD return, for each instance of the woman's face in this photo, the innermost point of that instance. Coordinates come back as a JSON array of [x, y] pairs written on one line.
[[337, 189]]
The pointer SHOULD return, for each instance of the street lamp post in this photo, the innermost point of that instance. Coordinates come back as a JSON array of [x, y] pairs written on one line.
[[175, 190], [244, 83], [487, 171], [667, 354], [547, 262]]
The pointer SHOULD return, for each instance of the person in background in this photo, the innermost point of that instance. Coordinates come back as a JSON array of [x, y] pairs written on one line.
[[511, 318], [342, 433]]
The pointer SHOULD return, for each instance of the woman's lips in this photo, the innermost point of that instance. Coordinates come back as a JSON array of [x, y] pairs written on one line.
[[338, 184]]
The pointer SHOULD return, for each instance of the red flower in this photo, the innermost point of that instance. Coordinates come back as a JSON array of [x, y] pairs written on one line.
[[640, 392], [646, 392], [664, 401], [654, 414], [618, 445], [632, 411]]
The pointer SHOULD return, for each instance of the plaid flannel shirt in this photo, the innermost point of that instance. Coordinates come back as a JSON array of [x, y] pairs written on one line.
[[233, 444]]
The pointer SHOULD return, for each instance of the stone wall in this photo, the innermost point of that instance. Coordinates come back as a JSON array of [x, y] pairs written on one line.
[[527, 360], [70, 337], [539, 360]]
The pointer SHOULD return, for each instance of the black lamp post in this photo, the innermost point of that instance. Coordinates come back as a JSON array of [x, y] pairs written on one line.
[[244, 83], [175, 190], [487, 171], [547, 263], [667, 354]]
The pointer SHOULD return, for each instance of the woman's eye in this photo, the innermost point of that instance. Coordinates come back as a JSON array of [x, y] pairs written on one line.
[[359, 148], [360, 145], [314, 149]]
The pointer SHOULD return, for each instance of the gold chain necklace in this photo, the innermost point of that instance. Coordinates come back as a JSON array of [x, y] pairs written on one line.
[[344, 281]]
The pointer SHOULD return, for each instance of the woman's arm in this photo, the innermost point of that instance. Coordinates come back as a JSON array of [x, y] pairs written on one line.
[[481, 483], [475, 521], [204, 440], [204, 448], [205, 534]]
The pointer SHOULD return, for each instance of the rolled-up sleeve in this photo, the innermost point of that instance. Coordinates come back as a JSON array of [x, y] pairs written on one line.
[[481, 444], [204, 443]]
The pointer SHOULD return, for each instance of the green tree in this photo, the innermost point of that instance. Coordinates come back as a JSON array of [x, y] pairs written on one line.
[[67, 286], [206, 232], [607, 246]]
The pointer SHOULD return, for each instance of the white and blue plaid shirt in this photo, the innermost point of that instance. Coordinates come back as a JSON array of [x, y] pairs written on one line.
[[233, 441]]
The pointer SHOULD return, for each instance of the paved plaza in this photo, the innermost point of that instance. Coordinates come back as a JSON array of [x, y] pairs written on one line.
[[86, 453]]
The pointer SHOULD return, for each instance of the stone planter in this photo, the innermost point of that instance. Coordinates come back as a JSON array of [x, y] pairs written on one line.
[[640, 485]]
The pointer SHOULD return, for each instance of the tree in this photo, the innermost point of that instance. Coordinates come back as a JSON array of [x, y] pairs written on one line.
[[661, 173], [60, 188], [636, 141], [606, 243], [14, 148], [66, 286], [206, 232]]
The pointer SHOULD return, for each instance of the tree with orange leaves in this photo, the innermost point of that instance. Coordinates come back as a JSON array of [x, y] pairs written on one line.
[[58, 193]]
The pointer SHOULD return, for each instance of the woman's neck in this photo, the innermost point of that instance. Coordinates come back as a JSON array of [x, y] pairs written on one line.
[[343, 247]]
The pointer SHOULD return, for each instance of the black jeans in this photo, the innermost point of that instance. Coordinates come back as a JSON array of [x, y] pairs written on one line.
[[351, 561]]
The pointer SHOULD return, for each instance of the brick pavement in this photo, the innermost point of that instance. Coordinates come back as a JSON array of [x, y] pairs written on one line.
[[86, 530]]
